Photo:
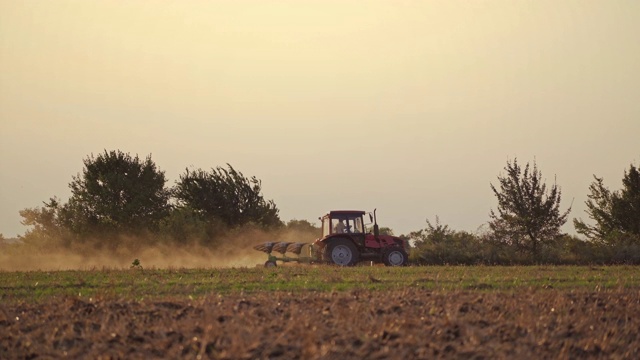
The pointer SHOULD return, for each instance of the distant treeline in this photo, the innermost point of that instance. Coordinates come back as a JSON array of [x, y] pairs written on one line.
[[439, 245], [525, 227], [123, 200]]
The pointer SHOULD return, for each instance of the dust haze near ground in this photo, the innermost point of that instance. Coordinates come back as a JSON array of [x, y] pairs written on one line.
[[234, 250]]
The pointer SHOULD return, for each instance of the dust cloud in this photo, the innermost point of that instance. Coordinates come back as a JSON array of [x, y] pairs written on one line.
[[233, 250]]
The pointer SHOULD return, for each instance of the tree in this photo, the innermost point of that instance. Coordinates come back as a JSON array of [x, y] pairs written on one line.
[[226, 195], [298, 231], [438, 244], [431, 234], [184, 225], [615, 213], [626, 203], [116, 194], [46, 228], [528, 215], [600, 209], [304, 226]]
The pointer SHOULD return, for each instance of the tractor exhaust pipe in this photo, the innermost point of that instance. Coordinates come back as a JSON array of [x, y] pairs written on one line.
[[376, 230]]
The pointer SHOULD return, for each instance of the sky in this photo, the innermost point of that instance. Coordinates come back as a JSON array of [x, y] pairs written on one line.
[[410, 107]]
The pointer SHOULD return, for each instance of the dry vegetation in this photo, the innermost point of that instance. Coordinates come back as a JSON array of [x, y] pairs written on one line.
[[357, 324]]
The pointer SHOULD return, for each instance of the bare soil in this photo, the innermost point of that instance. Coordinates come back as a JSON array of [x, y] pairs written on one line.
[[358, 324]]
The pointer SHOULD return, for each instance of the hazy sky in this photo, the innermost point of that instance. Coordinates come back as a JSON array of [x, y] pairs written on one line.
[[413, 107]]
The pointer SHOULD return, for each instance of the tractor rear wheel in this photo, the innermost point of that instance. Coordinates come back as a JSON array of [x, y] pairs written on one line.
[[394, 256], [342, 252]]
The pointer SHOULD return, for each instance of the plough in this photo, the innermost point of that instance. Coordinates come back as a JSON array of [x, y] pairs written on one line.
[[285, 247]]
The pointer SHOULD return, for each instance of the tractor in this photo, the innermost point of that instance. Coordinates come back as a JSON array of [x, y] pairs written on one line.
[[344, 242]]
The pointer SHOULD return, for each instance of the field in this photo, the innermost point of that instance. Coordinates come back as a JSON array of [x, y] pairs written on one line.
[[307, 312]]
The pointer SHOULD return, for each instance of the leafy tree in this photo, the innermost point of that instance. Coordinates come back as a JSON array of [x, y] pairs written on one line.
[[528, 215], [184, 225], [116, 193], [303, 226], [298, 231], [600, 209], [226, 195], [616, 214], [46, 228], [626, 204], [432, 233], [438, 244]]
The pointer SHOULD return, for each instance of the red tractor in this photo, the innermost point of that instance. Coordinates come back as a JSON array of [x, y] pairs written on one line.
[[344, 242]]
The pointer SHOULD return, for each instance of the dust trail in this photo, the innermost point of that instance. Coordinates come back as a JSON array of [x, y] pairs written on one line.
[[232, 250]]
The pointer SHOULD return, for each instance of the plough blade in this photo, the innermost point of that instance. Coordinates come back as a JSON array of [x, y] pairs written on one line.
[[295, 248], [266, 247], [281, 247]]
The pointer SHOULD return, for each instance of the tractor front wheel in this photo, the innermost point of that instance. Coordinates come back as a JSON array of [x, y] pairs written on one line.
[[342, 252], [270, 264], [395, 256]]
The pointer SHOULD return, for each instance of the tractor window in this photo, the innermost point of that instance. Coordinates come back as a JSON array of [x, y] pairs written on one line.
[[338, 225], [354, 225], [326, 226], [346, 224], [357, 227]]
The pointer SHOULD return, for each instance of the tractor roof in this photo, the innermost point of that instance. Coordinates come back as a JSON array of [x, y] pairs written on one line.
[[346, 212]]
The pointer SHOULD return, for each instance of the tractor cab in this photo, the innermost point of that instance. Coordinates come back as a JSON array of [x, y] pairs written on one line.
[[346, 223], [343, 222]]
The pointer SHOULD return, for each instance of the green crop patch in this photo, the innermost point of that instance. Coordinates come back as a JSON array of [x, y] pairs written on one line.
[[136, 283]]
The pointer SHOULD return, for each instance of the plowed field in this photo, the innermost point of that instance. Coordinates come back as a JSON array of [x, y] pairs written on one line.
[[357, 323]]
